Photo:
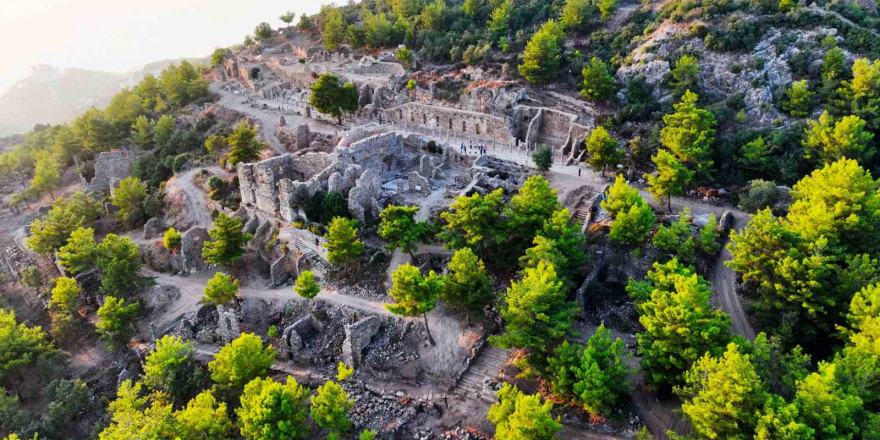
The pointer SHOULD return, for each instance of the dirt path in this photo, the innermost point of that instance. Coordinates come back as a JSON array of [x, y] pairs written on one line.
[[269, 119], [724, 287], [621, 16], [195, 197], [192, 288]]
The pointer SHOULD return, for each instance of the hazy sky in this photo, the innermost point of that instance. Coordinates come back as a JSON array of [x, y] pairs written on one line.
[[123, 35]]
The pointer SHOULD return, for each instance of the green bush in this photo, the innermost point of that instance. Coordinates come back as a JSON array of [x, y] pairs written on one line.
[[761, 194]]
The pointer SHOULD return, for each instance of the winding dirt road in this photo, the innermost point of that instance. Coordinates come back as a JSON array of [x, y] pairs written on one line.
[[196, 207]]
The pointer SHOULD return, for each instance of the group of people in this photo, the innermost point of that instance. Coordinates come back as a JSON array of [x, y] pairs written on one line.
[[479, 149]]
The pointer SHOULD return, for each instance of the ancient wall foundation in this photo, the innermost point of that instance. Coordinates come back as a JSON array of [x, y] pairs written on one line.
[[110, 167], [441, 118]]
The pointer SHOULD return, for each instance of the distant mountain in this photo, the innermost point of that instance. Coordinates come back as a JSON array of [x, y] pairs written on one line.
[[52, 95]]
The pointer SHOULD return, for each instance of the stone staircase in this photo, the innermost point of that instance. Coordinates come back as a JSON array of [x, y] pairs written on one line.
[[478, 379], [310, 254]]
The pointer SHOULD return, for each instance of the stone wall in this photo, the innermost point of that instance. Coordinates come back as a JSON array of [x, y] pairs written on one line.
[[110, 167], [357, 337], [369, 66], [274, 188], [442, 118], [297, 74], [260, 182]]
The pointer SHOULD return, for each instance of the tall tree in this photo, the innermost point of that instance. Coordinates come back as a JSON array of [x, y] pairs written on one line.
[[119, 261], [400, 228], [330, 96], [227, 241], [414, 294], [543, 158], [598, 83], [343, 245], [329, 408], [467, 287], [603, 149], [499, 20], [537, 312], [519, 416], [243, 145], [241, 361], [474, 221], [62, 306], [601, 375], [723, 395], [129, 197], [689, 133], [273, 411], [527, 211], [221, 289], [671, 178], [263, 32], [80, 253], [840, 202], [798, 99], [287, 17], [828, 140], [46, 175], [680, 324], [116, 320], [334, 29], [172, 368], [633, 217], [543, 54], [684, 75]]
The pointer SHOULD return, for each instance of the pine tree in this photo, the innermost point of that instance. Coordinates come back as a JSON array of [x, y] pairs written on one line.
[[273, 411], [527, 211], [598, 83], [227, 241], [46, 175], [519, 416], [241, 361], [414, 294], [221, 289], [334, 28], [543, 158], [116, 320], [400, 228], [671, 178], [343, 246], [543, 54], [119, 261], [828, 140], [798, 99], [499, 20], [474, 221], [680, 324], [243, 145], [537, 311], [467, 287], [603, 149], [329, 408], [80, 253], [306, 286], [689, 133], [723, 396], [600, 374], [684, 75]]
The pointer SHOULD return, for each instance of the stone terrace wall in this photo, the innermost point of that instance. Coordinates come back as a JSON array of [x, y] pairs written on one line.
[[462, 121], [259, 181], [272, 189], [110, 167], [299, 75]]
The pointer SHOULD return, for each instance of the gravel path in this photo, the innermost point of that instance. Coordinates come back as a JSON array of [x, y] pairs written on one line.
[[196, 206]]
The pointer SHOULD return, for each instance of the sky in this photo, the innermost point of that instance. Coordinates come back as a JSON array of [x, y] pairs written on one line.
[[123, 35]]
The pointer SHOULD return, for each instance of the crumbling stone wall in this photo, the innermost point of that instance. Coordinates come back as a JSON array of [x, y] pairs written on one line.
[[110, 167], [442, 118], [274, 188], [263, 185], [358, 337], [297, 74], [369, 66]]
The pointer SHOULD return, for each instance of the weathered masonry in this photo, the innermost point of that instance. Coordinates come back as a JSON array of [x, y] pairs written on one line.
[[463, 122]]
